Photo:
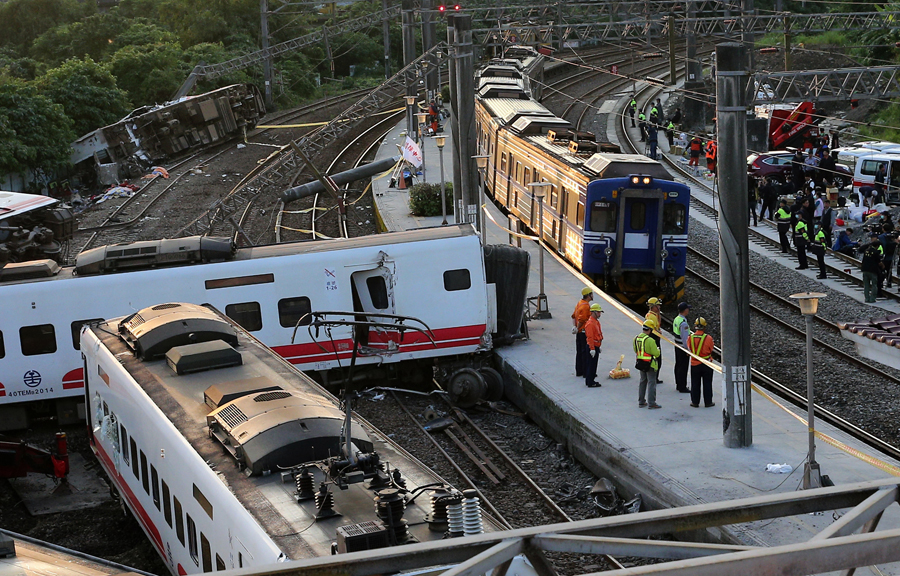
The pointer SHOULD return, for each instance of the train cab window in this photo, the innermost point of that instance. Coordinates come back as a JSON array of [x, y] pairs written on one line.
[[40, 339], [192, 539], [673, 219], [378, 291], [603, 217], [220, 564], [247, 314], [638, 216], [457, 280], [154, 480], [76, 331], [167, 503], [206, 553], [2, 348], [240, 560], [293, 310], [179, 520], [134, 459], [124, 436], [579, 215], [145, 477]]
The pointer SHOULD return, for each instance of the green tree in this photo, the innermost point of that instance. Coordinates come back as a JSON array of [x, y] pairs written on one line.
[[150, 73], [21, 21], [91, 36], [211, 21], [87, 92], [35, 133], [18, 67]]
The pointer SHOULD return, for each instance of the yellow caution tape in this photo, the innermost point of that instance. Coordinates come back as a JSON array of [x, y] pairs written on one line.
[[304, 211], [302, 231], [502, 227]]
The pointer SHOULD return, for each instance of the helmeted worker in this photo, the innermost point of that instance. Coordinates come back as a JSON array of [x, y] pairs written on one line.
[[783, 218], [819, 243], [594, 337], [696, 146], [579, 319], [711, 151], [670, 133], [642, 125], [647, 363], [701, 344], [682, 330], [632, 109], [801, 239], [654, 304]]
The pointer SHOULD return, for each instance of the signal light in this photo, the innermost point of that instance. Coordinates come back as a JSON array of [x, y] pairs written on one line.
[[442, 8]]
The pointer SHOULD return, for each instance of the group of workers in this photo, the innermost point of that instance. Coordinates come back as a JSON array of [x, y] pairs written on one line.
[[652, 122], [694, 351]]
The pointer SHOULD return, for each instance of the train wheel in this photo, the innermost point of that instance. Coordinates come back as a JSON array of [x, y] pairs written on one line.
[[494, 382], [466, 387]]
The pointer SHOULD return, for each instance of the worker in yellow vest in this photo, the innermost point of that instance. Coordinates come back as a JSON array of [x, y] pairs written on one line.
[[647, 363]]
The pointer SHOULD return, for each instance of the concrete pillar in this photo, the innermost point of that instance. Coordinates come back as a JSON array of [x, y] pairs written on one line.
[[458, 206], [407, 17], [431, 74], [734, 259], [465, 97], [694, 105]]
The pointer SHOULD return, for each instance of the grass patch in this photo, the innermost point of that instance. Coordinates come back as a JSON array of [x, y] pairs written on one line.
[[884, 125]]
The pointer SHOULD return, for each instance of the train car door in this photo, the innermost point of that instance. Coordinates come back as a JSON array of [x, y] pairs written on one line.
[[638, 232], [373, 291]]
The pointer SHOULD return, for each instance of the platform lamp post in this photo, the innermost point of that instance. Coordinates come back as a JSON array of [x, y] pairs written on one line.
[[410, 115], [809, 305], [420, 117], [481, 161], [440, 140], [543, 308]]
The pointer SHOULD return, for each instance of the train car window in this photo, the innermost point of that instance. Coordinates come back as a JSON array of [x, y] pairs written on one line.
[[527, 179], [457, 280], [40, 339], [76, 331], [124, 434], [673, 219], [105, 409], [638, 215], [240, 281], [378, 292], [134, 459], [503, 163], [154, 480], [179, 520], [206, 553], [220, 564], [554, 198], [145, 477], [293, 310], [2, 347], [240, 560], [203, 502], [579, 215], [247, 314], [518, 172], [603, 217], [192, 539], [167, 503]]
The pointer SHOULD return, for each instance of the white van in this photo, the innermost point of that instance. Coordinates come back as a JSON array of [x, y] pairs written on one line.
[[880, 145], [865, 162]]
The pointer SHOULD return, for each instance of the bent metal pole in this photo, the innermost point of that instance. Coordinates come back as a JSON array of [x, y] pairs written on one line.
[[734, 260]]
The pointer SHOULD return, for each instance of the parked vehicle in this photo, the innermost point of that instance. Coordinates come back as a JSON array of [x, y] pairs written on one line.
[[778, 165], [865, 163]]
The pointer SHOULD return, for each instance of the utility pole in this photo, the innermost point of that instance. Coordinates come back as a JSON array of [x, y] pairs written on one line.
[[748, 11], [458, 205], [671, 26], [386, 32], [409, 54], [328, 55], [267, 63], [734, 259], [431, 71], [465, 96]]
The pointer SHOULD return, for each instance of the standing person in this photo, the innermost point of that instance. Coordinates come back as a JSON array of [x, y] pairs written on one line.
[[579, 319], [642, 126], [801, 239], [880, 177], [797, 173], [647, 356], [676, 117], [783, 219], [827, 222], [632, 109], [828, 168], [751, 198], [652, 137], [682, 330], [819, 208], [835, 141], [696, 145], [701, 344], [871, 269], [711, 151], [767, 198], [654, 314], [889, 246], [594, 336], [670, 133], [817, 247]]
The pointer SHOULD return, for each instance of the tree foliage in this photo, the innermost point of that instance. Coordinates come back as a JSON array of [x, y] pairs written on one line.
[[150, 73], [87, 92], [21, 21]]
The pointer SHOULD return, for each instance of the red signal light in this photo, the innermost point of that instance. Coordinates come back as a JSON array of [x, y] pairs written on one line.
[[456, 7], [442, 8]]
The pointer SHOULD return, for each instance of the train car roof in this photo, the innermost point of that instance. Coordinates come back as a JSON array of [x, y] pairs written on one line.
[[291, 525], [16, 203], [308, 247], [508, 107], [622, 165]]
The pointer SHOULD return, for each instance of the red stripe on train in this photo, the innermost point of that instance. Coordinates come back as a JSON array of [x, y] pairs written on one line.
[[73, 379]]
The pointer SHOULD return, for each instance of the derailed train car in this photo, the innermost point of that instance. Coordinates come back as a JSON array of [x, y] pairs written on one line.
[[152, 134]]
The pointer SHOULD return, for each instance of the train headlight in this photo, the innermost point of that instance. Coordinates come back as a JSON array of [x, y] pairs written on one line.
[[608, 251], [664, 254], [638, 180]]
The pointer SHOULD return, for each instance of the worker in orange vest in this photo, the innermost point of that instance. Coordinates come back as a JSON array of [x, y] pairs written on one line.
[[594, 337], [701, 345], [696, 146], [579, 318], [711, 150]]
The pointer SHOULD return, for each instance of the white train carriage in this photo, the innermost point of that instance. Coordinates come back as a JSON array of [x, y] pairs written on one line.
[[229, 457], [436, 275]]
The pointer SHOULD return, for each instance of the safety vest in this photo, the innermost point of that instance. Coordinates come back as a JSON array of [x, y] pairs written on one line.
[[696, 145], [654, 111], [711, 150], [670, 126], [641, 116], [639, 348], [800, 229], [633, 104], [695, 343], [677, 324], [783, 215], [820, 238]]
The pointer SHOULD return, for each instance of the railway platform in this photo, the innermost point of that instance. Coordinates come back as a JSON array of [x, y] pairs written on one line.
[[674, 456], [21, 556]]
